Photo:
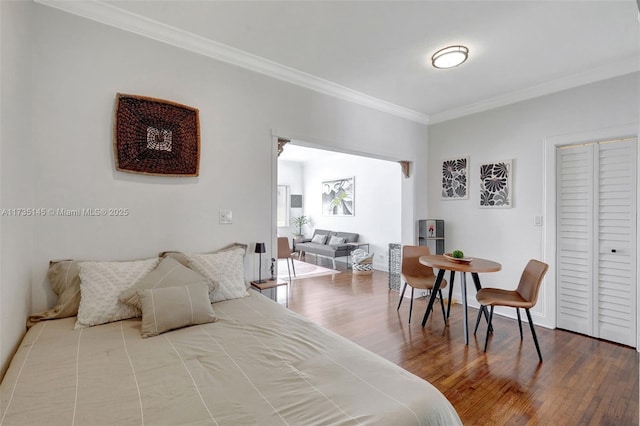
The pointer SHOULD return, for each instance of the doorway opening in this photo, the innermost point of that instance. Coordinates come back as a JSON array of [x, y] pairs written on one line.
[[370, 204]]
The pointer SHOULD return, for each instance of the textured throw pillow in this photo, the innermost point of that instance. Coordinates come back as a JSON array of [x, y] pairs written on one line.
[[64, 279], [226, 269], [182, 258], [100, 285], [169, 273], [319, 239], [336, 240], [168, 308]]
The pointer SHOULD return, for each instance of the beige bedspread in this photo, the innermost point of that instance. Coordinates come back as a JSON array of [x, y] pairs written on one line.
[[259, 364]]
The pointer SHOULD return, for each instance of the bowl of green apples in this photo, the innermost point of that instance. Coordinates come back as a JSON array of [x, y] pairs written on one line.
[[458, 257]]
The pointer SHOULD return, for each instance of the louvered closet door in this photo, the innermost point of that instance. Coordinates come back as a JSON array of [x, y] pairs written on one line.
[[617, 257], [596, 265], [575, 239]]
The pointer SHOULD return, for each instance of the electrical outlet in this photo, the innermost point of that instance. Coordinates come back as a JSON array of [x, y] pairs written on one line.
[[225, 217], [537, 221]]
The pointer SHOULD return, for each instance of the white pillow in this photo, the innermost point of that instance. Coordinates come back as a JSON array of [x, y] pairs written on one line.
[[319, 239], [336, 240], [226, 269], [100, 285]]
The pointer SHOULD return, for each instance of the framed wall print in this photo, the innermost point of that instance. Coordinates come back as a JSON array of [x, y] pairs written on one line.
[[495, 185], [338, 197], [455, 184]]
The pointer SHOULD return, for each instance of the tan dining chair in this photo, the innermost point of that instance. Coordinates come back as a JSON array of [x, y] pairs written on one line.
[[525, 296], [418, 276], [284, 252]]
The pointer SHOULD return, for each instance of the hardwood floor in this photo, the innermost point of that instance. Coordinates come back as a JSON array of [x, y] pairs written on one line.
[[581, 381]]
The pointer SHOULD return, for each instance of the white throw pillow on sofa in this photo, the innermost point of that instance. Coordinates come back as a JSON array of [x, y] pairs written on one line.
[[319, 239], [334, 241]]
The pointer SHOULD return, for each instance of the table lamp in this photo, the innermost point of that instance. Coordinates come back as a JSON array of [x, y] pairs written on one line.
[[260, 249]]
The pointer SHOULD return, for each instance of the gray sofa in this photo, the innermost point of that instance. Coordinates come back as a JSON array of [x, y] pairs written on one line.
[[325, 249]]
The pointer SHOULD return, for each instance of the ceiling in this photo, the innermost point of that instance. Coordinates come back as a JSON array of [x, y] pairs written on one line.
[[518, 49], [296, 151]]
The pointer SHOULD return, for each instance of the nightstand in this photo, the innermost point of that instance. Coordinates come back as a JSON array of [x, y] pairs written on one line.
[[270, 289]]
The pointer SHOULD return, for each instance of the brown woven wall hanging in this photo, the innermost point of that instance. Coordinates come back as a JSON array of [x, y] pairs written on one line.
[[156, 137]]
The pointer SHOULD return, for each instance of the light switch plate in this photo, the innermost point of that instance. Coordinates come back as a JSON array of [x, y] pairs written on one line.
[[225, 217], [537, 221]]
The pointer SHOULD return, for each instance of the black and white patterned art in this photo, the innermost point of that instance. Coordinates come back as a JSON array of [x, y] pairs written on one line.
[[495, 185], [455, 185]]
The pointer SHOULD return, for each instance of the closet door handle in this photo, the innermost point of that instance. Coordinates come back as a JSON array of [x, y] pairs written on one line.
[[613, 250]]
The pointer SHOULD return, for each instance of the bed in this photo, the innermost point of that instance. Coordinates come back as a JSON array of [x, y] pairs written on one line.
[[257, 363]]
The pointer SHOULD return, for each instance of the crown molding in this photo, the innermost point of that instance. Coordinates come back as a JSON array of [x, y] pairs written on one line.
[[131, 22], [604, 72], [110, 15]]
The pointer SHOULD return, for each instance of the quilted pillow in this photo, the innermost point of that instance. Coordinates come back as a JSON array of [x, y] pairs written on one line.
[[168, 308], [100, 285], [64, 279], [319, 239], [226, 269], [169, 273], [181, 257]]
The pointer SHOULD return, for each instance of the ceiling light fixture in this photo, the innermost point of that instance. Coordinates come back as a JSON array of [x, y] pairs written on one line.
[[450, 57]]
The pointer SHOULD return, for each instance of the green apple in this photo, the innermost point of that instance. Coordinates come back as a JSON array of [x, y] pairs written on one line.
[[457, 254]]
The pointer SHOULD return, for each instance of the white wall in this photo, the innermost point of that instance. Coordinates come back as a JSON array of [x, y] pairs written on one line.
[[519, 132], [78, 67], [378, 201], [16, 167], [290, 174]]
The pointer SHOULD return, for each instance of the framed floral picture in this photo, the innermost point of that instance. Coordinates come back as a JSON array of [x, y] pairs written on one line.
[[455, 185], [495, 185], [338, 197]]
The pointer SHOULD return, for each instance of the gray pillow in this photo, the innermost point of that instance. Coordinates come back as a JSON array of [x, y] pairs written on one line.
[[169, 273], [64, 278], [169, 308]]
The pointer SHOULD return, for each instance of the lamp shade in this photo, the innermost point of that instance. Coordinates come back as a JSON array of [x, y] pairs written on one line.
[[260, 248]]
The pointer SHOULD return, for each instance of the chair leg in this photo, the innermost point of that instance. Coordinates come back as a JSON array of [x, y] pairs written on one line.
[[486, 314], [293, 266], [486, 340], [519, 322], [401, 296], [411, 305], [451, 278], [533, 333], [444, 314], [478, 319], [333, 260], [289, 269]]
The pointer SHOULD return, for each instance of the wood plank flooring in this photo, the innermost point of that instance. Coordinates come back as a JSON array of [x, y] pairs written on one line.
[[582, 380]]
